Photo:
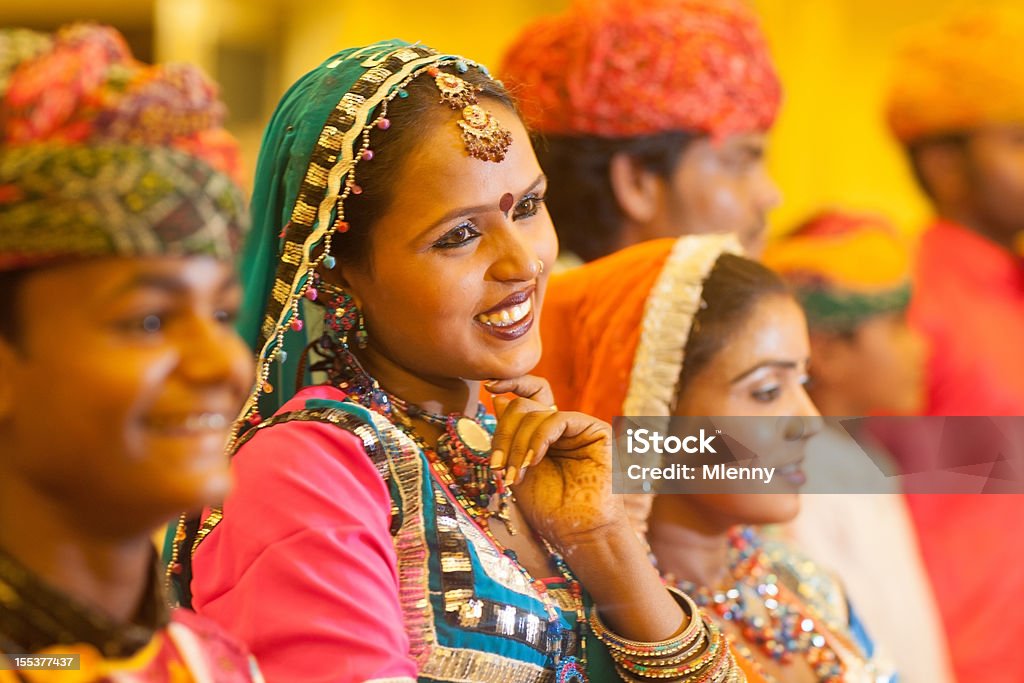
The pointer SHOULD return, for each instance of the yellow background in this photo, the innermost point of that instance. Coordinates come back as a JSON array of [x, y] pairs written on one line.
[[829, 149]]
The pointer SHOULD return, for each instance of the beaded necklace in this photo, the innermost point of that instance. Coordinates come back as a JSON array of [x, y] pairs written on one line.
[[791, 627], [463, 450], [472, 457], [460, 461]]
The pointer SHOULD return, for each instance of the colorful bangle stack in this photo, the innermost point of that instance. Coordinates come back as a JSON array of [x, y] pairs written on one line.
[[700, 654]]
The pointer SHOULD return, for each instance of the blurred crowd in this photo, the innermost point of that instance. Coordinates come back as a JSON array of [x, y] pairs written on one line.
[[370, 403]]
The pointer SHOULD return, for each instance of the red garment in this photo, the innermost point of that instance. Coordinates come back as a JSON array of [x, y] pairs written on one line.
[[621, 68], [310, 582], [968, 301]]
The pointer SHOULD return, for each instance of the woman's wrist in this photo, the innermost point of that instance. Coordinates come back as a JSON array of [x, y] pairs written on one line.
[[699, 652], [614, 568]]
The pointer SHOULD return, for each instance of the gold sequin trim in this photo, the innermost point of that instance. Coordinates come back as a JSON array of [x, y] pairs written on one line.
[[317, 174], [280, 292], [406, 55], [208, 525], [349, 103], [303, 212], [450, 664], [292, 253], [376, 75]]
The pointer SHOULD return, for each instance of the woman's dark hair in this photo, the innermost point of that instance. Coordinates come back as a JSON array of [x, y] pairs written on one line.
[[732, 289], [583, 207], [411, 120]]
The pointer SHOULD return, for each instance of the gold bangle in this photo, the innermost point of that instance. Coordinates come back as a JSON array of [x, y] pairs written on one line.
[[714, 665], [631, 648], [690, 652], [730, 673], [707, 656], [691, 609], [725, 669], [660, 649]]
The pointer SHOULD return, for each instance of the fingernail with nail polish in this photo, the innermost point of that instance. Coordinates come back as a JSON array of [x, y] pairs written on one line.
[[528, 460], [497, 460]]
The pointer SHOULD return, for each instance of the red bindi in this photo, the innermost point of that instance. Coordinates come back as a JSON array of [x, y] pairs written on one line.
[[506, 202]]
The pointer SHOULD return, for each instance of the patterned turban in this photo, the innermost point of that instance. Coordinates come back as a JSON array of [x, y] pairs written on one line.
[[622, 68], [844, 269], [959, 73], [101, 155]]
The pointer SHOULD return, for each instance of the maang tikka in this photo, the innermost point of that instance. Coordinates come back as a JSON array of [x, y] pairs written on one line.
[[482, 133]]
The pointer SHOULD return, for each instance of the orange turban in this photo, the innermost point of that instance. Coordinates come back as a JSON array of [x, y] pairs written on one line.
[[622, 68], [959, 73], [844, 268]]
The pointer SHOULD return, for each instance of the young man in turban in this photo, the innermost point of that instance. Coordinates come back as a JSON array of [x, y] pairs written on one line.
[[651, 117], [120, 370], [851, 273], [957, 106]]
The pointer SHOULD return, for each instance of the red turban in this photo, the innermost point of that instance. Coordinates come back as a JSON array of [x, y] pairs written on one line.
[[622, 68]]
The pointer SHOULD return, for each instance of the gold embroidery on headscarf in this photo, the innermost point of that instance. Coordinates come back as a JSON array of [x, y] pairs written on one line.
[[292, 253]]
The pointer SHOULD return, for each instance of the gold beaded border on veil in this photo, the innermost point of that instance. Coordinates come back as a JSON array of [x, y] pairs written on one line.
[[328, 182], [668, 316]]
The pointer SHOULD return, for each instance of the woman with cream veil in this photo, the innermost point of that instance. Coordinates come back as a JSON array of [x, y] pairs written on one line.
[[687, 327]]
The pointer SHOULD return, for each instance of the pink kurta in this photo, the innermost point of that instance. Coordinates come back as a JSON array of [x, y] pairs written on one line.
[[314, 573]]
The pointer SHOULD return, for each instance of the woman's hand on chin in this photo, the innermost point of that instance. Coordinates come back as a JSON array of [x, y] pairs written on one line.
[[558, 462], [563, 464]]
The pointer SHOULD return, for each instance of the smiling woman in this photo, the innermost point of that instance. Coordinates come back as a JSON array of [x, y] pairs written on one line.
[[384, 526]]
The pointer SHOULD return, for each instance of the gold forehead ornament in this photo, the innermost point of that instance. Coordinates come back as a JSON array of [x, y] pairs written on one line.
[[483, 135]]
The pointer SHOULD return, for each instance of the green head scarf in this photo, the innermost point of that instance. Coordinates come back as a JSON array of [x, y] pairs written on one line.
[[308, 161]]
